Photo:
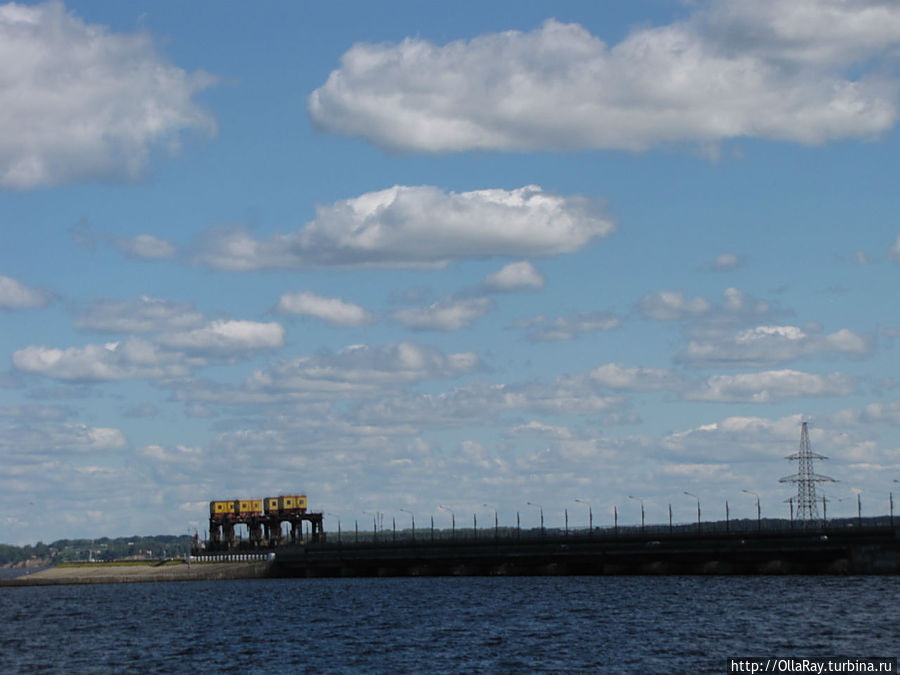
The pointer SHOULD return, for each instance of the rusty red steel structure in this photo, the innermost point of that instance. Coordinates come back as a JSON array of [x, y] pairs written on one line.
[[264, 519]]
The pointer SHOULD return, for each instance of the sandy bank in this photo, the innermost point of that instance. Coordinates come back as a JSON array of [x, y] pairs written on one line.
[[113, 573]]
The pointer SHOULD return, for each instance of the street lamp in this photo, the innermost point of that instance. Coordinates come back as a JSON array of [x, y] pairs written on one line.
[[374, 525], [412, 515], [590, 515], [453, 522], [542, 515], [339, 525], [690, 494], [758, 511], [892, 503], [642, 510], [496, 524]]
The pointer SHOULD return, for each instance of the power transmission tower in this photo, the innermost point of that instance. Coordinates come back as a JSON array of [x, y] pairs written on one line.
[[806, 478]]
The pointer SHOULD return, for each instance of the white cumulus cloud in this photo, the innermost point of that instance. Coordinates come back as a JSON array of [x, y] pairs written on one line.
[[132, 359], [895, 250], [16, 295], [673, 305], [334, 311], [445, 315], [146, 247], [725, 262], [546, 329], [79, 102], [617, 377], [772, 385], [143, 315], [361, 369], [40, 441], [771, 344], [226, 337], [418, 225], [513, 277], [731, 70]]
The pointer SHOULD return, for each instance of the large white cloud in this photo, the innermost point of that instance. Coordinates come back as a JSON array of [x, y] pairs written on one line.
[[80, 102], [418, 225], [732, 69], [16, 295]]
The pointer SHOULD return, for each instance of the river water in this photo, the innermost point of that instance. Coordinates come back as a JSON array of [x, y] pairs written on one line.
[[446, 625]]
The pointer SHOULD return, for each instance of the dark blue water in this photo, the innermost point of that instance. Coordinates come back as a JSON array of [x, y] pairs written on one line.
[[445, 625]]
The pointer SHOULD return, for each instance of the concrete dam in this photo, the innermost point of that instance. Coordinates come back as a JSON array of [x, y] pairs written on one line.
[[853, 549]]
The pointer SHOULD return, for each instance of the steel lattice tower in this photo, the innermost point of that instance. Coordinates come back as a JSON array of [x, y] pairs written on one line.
[[806, 478]]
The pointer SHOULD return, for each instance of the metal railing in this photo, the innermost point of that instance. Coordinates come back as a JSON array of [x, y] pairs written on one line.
[[749, 527]]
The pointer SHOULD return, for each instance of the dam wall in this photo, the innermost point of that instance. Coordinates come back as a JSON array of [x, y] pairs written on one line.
[[867, 550]]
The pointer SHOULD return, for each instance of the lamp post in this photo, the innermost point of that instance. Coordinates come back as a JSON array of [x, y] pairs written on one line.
[[642, 510], [616, 520], [859, 508], [542, 515], [496, 523], [374, 525], [452, 521], [339, 525], [670, 518], [758, 511], [590, 515], [892, 503], [690, 494], [412, 515]]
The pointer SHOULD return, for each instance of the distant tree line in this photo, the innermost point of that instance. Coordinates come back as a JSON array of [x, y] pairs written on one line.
[[102, 549]]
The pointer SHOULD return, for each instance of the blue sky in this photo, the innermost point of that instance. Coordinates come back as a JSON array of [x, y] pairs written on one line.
[[398, 256]]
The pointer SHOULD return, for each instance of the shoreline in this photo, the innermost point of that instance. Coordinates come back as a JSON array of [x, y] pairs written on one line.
[[120, 573]]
